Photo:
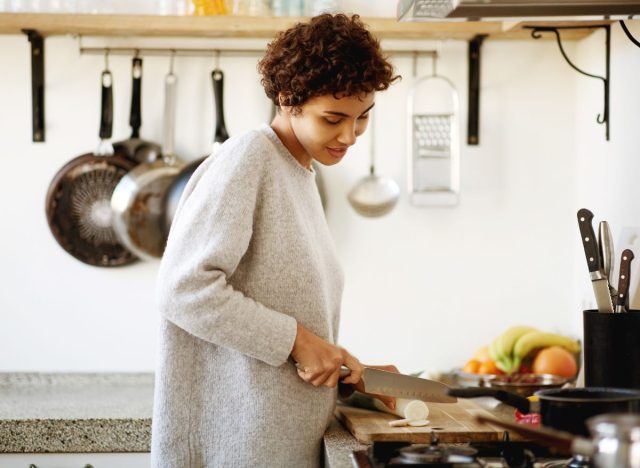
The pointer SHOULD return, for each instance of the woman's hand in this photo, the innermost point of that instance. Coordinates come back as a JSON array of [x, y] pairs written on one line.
[[389, 401], [320, 361]]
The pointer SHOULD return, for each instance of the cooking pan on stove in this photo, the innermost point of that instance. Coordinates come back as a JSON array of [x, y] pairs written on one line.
[[566, 409]]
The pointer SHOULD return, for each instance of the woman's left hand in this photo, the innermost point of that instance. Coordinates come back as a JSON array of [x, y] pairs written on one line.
[[389, 401]]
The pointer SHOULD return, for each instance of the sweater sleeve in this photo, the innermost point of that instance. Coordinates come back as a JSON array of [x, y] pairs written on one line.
[[209, 236]]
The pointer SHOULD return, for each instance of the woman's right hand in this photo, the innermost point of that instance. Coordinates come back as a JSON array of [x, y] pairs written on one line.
[[319, 361]]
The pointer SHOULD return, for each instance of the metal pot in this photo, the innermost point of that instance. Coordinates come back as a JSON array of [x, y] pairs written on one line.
[[174, 191], [137, 199], [566, 409]]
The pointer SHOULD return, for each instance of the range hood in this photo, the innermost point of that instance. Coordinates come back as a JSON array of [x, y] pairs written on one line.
[[473, 10]]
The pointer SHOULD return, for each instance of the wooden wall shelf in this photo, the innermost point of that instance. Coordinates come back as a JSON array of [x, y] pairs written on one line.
[[50, 24]]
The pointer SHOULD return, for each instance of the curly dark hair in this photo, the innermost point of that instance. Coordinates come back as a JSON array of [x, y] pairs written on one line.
[[330, 54]]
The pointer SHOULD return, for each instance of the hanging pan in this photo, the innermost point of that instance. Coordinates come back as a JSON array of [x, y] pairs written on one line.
[[174, 192], [137, 199], [78, 200], [141, 151]]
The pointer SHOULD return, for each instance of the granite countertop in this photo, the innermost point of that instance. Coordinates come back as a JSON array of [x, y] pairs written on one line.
[[75, 412], [98, 412]]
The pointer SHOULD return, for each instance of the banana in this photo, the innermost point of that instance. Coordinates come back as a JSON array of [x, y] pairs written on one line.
[[506, 342], [492, 350], [536, 339]]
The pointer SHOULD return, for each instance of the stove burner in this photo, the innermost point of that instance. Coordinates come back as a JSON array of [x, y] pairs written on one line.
[[468, 455], [421, 453]]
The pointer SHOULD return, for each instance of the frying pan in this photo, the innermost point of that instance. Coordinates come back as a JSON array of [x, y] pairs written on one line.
[[174, 192], [78, 199], [566, 409], [134, 147], [137, 199]]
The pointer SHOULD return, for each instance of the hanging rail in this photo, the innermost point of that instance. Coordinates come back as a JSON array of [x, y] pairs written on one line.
[[208, 52]]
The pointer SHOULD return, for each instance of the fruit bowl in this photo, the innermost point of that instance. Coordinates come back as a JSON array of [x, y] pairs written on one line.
[[521, 384]]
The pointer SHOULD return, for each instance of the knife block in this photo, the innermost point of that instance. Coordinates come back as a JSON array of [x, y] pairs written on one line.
[[611, 349]]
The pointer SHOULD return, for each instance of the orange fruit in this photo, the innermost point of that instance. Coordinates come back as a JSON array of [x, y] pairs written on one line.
[[471, 366], [488, 367], [482, 354], [555, 360]]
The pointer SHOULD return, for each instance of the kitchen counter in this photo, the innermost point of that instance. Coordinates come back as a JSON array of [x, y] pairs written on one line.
[[103, 412], [79, 412], [98, 412]]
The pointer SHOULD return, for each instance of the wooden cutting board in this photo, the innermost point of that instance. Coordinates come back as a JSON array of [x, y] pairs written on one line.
[[452, 423]]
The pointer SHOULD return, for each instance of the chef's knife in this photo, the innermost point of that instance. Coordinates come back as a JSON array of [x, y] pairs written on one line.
[[381, 382], [608, 256], [624, 281], [598, 280]]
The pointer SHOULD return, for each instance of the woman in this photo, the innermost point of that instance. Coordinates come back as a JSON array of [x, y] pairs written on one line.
[[250, 285]]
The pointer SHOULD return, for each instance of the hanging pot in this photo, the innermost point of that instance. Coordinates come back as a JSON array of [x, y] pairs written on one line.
[[78, 200], [137, 199], [134, 147], [174, 192]]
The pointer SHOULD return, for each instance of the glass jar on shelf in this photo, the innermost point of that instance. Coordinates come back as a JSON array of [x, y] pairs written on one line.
[[209, 7]]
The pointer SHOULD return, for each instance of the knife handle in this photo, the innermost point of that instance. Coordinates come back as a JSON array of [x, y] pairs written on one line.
[[589, 241], [624, 281], [344, 371]]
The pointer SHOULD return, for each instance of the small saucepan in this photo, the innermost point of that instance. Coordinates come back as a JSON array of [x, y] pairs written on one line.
[[566, 409]]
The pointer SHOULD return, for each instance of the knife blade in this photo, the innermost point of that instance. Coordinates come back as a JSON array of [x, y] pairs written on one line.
[[608, 256], [624, 281], [598, 280], [381, 382]]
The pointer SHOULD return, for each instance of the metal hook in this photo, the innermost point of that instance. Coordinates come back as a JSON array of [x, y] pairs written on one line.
[[434, 65], [136, 53], [414, 64], [173, 54], [106, 59], [216, 62]]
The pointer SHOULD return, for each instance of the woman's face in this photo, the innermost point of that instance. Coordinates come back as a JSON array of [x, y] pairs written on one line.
[[326, 127]]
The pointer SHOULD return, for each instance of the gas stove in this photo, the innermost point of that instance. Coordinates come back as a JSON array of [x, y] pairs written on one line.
[[502, 454]]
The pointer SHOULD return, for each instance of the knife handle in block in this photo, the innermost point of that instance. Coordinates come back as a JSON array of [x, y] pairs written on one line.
[[589, 241], [623, 281]]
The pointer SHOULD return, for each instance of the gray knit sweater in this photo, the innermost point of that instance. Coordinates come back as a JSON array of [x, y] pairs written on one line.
[[249, 254]]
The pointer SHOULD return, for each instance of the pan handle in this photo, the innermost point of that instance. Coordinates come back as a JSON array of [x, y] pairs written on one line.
[[106, 114], [135, 117], [511, 399], [220, 134], [168, 151], [559, 441]]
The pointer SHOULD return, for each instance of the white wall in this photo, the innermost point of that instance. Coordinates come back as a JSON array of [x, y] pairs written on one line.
[[425, 286]]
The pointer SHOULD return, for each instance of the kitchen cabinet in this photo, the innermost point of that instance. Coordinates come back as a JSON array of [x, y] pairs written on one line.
[[75, 460]]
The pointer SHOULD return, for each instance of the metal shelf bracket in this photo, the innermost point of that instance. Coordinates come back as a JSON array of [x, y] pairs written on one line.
[[37, 84], [473, 118], [603, 118]]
